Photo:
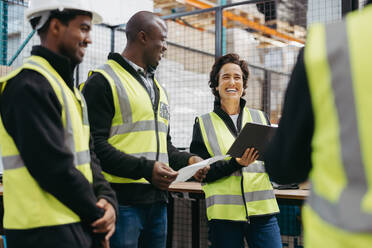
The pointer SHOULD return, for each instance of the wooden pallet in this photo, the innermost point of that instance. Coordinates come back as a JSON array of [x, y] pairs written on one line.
[[164, 4], [280, 25], [235, 17], [258, 18], [204, 21], [299, 31], [284, 27], [167, 7]]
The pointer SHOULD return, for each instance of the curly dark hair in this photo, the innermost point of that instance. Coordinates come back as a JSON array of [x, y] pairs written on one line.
[[221, 61]]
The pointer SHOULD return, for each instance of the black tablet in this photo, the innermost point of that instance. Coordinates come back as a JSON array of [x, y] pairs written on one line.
[[252, 135]]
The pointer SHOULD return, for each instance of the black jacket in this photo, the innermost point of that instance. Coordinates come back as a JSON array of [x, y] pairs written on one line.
[[288, 159], [31, 114], [221, 168], [98, 95]]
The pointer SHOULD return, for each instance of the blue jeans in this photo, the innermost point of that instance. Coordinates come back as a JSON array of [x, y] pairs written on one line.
[[262, 232], [143, 225]]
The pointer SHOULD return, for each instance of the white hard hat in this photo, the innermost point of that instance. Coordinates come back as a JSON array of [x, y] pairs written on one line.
[[42, 8]]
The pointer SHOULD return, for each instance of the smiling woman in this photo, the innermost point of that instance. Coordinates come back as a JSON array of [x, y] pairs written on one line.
[[230, 87], [239, 197], [217, 72]]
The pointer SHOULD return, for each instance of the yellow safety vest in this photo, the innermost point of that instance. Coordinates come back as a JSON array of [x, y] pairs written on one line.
[[26, 204], [338, 64], [225, 199], [135, 129]]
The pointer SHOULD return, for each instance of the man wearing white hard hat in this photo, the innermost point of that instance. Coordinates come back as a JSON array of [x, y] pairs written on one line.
[[54, 192]]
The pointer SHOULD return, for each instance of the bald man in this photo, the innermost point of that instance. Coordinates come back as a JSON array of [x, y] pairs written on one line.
[[129, 117]]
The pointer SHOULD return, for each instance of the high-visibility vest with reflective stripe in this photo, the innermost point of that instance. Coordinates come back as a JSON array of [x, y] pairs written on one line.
[[26, 204], [135, 129], [224, 197], [338, 64]]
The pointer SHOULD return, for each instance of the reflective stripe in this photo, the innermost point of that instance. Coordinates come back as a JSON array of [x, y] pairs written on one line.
[[84, 108], [238, 199], [163, 157], [259, 195], [82, 157], [128, 126], [15, 161], [346, 213], [257, 167], [224, 200], [138, 126], [12, 162], [122, 94], [256, 118], [237, 173], [211, 135], [69, 133]]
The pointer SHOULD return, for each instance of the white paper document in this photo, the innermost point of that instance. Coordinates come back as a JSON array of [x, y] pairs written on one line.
[[188, 171]]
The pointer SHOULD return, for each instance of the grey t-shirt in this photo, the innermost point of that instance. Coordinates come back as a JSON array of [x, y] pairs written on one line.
[[234, 118], [146, 77]]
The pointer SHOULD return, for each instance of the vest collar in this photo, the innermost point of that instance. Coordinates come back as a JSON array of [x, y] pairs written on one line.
[[61, 64], [118, 58], [226, 118]]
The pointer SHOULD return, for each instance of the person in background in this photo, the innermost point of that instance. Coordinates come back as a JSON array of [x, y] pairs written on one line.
[[129, 116], [324, 133], [54, 192], [240, 200]]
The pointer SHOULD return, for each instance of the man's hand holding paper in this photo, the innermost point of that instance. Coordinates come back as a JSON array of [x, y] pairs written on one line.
[[189, 171]]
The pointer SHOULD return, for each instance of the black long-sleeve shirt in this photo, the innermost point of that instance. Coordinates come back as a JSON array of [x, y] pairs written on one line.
[[288, 158], [31, 114], [221, 168], [98, 95]]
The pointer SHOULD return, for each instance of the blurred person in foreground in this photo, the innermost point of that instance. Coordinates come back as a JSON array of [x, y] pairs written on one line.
[[325, 133]]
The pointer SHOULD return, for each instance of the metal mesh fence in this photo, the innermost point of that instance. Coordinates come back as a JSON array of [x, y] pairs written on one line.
[[268, 34], [189, 223], [323, 11], [185, 72]]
